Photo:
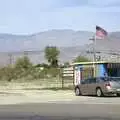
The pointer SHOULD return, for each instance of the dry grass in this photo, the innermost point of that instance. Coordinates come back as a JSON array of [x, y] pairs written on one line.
[[34, 91], [52, 84]]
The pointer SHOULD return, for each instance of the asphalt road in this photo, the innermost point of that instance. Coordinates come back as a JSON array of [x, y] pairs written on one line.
[[59, 111]]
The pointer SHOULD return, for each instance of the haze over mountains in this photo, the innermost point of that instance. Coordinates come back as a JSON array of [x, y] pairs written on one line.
[[71, 43], [60, 38]]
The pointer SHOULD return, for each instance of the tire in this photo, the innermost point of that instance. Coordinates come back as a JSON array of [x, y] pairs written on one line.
[[77, 91], [99, 92]]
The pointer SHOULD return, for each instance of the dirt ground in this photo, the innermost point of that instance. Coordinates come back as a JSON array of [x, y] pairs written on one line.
[[34, 96], [49, 96]]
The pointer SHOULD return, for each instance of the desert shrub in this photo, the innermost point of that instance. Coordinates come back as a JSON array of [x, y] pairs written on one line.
[[7, 73], [52, 72], [23, 67]]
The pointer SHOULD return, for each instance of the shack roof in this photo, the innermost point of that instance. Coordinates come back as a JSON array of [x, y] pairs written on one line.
[[88, 63]]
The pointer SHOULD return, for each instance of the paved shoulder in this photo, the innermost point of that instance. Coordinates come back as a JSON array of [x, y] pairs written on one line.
[[62, 110]]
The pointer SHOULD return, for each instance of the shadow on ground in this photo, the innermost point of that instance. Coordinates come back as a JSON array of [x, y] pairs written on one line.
[[110, 96], [53, 88], [10, 93]]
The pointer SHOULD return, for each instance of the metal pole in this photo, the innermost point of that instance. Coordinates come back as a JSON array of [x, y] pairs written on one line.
[[94, 56], [94, 53], [94, 49]]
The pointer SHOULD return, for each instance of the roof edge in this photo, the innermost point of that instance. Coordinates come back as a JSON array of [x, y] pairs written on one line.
[[87, 63]]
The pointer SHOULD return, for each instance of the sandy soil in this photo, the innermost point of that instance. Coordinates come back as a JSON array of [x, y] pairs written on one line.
[[34, 96]]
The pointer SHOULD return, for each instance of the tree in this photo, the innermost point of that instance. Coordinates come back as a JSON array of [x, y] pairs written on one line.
[[23, 62], [81, 59], [51, 54], [22, 66]]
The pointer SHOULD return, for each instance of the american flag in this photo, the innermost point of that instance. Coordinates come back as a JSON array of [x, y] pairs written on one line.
[[100, 33]]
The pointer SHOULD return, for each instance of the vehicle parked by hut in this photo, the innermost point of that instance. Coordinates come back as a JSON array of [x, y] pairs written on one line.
[[97, 78]]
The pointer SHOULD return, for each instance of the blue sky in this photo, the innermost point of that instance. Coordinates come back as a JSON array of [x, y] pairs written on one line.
[[31, 16]]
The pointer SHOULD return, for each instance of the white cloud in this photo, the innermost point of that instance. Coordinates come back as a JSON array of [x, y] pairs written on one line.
[[93, 3], [30, 16], [104, 2], [86, 9]]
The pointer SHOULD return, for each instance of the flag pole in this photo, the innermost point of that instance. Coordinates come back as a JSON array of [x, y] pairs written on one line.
[[94, 54], [101, 33]]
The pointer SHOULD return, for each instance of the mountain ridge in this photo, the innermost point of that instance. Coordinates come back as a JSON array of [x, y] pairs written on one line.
[[37, 41], [71, 44]]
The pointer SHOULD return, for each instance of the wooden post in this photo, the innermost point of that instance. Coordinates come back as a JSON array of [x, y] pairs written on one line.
[[62, 82], [62, 79]]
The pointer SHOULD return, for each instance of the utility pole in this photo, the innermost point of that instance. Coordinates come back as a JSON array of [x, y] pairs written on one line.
[[10, 58], [26, 53]]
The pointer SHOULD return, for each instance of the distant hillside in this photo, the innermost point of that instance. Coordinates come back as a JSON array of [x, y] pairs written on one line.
[[114, 36], [107, 49], [71, 44], [60, 38]]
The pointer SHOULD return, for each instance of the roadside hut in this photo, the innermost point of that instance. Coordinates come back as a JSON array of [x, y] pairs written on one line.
[[84, 70]]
